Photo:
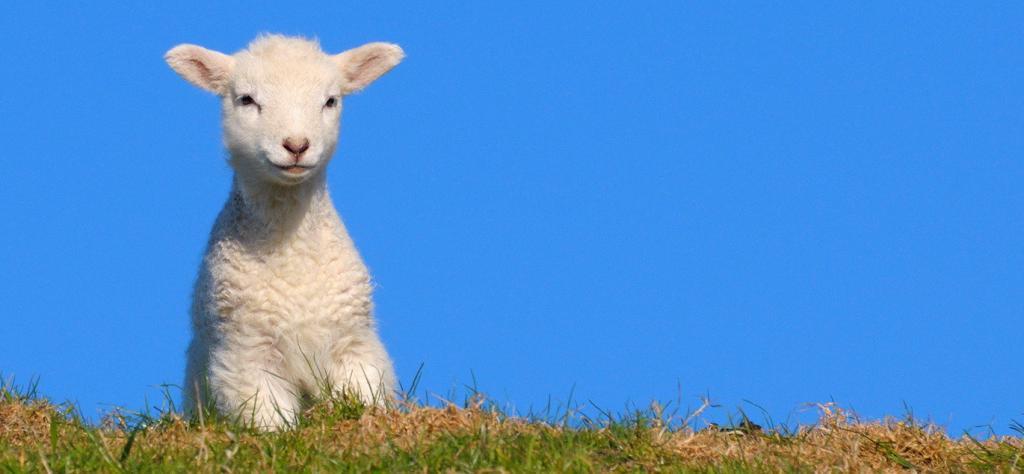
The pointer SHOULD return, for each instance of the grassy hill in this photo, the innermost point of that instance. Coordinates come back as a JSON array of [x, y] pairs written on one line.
[[343, 435]]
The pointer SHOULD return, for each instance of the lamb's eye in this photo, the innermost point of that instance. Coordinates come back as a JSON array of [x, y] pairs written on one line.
[[246, 100], [331, 102]]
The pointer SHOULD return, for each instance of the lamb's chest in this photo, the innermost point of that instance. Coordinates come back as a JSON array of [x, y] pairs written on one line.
[[328, 284]]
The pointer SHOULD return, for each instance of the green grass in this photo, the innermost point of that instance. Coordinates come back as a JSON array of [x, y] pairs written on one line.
[[342, 435]]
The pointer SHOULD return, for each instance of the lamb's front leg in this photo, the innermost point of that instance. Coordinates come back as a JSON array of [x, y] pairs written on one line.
[[361, 366], [247, 380]]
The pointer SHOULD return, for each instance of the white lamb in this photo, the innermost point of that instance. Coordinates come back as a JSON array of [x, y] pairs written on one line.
[[282, 301]]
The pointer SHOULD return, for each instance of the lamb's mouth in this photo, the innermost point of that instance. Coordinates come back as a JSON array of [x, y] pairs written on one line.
[[293, 169]]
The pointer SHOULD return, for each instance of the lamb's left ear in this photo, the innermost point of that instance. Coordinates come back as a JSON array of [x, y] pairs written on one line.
[[206, 69], [363, 65]]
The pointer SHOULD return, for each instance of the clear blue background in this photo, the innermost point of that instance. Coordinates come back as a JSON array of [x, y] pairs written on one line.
[[777, 203]]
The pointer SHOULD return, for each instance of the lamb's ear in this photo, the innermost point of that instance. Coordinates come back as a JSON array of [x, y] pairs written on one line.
[[206, 69], [363, 65]]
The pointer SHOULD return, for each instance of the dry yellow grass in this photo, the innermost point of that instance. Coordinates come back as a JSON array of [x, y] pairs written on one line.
[[38, 436]]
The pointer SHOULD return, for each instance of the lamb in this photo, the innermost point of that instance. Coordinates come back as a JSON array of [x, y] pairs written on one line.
[[282, 303]]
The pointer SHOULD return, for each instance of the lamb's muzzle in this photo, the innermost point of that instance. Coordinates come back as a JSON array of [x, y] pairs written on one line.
[[296, 146]]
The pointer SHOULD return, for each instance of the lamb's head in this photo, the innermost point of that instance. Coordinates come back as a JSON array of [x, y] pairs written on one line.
[[281, 99]]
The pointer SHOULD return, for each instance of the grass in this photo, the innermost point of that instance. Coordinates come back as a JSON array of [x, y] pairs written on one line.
[[342, 435]]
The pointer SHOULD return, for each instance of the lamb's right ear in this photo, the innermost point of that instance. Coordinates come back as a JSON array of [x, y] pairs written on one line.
[[206, 69], [363, 65]]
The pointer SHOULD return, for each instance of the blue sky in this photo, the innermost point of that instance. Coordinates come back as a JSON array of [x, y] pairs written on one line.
[[777, 203]]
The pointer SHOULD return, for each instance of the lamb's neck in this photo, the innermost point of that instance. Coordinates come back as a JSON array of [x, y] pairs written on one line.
[[279, 213]]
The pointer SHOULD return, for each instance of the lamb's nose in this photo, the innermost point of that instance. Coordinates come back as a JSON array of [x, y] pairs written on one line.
[[295, 145]]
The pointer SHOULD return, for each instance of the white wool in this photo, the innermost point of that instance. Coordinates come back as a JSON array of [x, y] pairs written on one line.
[[282, 304]]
